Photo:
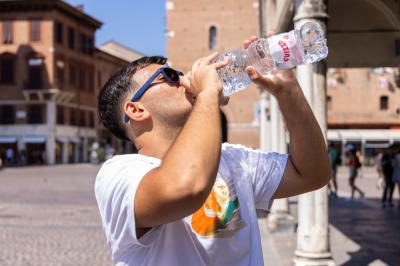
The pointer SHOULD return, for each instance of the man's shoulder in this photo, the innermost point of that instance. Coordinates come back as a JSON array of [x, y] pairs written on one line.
[[229, 147], [130, 159], [133, 163]]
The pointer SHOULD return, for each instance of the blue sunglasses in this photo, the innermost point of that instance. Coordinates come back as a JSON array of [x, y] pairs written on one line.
[[171, 76]]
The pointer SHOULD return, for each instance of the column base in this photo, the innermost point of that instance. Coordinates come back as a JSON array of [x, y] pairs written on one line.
[[313, 259]]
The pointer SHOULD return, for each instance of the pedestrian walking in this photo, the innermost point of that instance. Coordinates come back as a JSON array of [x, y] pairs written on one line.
[[354, 164], [387, 169], [378, 167], [396, 170], [9, 156], [335, 161], [185, 198]]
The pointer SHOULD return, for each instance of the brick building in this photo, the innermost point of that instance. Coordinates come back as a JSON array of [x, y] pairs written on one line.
[[363, 104], [198, 28], [50, 73]]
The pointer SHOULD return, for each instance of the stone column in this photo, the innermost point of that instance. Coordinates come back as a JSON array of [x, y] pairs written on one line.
[[363, 143], [21, 147], [51, 125], [344, 143], [64, 156], [85, 150], [76, 152], [279, 220], [265, 143], [274, 129], [313, 229]]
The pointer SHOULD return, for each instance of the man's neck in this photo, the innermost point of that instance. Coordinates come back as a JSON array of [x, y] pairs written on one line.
[[155, 145]]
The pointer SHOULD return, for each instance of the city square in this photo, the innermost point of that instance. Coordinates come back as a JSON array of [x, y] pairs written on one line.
[[48, 216], [314, 93]]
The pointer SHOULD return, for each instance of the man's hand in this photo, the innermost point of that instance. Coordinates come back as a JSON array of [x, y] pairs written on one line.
[[277, 82], [308, 165], [204, 76]]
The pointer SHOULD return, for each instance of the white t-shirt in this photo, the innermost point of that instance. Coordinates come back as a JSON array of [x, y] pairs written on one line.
[[223, 232]]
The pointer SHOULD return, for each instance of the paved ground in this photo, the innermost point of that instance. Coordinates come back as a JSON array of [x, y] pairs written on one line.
[[362, 233], [48, 216]]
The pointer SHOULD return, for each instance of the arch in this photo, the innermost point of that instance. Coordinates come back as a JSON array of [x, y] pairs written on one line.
[[395, 22], [7, 68]]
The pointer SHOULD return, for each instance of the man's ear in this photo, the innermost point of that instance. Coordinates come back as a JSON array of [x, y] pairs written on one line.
[[136, 111]]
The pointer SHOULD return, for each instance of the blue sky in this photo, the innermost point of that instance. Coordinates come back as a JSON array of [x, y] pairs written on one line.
[[138, 24]]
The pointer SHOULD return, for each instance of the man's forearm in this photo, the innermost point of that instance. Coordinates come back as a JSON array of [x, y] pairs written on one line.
[[196, 151], [307, 148]]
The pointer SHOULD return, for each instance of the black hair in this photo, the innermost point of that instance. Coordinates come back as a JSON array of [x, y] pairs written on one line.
[[112, 95]]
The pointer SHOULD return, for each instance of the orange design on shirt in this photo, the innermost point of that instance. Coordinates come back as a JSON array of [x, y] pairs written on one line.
[[219, 216]]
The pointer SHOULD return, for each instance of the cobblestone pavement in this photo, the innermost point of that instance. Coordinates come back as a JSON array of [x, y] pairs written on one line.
[[361, 231], [48, 216]]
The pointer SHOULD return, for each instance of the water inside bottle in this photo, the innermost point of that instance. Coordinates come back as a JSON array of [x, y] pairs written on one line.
[[314, 42], [234, 76]]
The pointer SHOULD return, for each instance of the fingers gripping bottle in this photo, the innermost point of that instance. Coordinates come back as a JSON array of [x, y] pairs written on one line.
[[283, 51]]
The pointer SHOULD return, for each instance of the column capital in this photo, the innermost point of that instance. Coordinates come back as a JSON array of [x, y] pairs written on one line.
[[309, 9]]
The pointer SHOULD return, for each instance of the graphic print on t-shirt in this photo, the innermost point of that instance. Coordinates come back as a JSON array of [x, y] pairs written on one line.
[[219, 216]]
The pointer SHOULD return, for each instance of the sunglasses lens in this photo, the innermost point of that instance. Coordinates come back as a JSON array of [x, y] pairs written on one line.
[[172, 74]]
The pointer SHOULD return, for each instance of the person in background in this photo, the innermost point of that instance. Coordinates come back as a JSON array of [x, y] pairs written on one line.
[[387, 169], [353, 163], [396, 170], [378, 167], [10, 156], [335, 161]]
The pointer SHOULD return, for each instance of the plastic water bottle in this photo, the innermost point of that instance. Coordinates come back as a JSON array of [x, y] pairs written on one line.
[[287, 50]]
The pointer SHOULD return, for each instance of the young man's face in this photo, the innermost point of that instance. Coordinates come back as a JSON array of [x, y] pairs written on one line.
[[168, 103]]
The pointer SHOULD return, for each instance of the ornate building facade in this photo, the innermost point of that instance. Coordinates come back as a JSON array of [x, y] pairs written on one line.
[[50, 74]]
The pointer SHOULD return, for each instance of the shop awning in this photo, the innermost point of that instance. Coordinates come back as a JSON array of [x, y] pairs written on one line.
[[364, 135], [74, 140], [34, 139], [8, 139], [62, 139]]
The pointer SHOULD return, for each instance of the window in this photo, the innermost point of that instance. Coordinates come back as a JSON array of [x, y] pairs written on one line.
[[58, 33], [384, 103], [7, 114], [60, 74], [60, 115], [91, 120], [99, 81], [71, 38], [35, 66], [35, 31], [72, 75], [35, 114], [84, 43], [87, 44], [7, 69], [90, 80], [90, 45], [82, 118], [82, 83], [72, 117], [212, 42], [329, 102], [7, 32]]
